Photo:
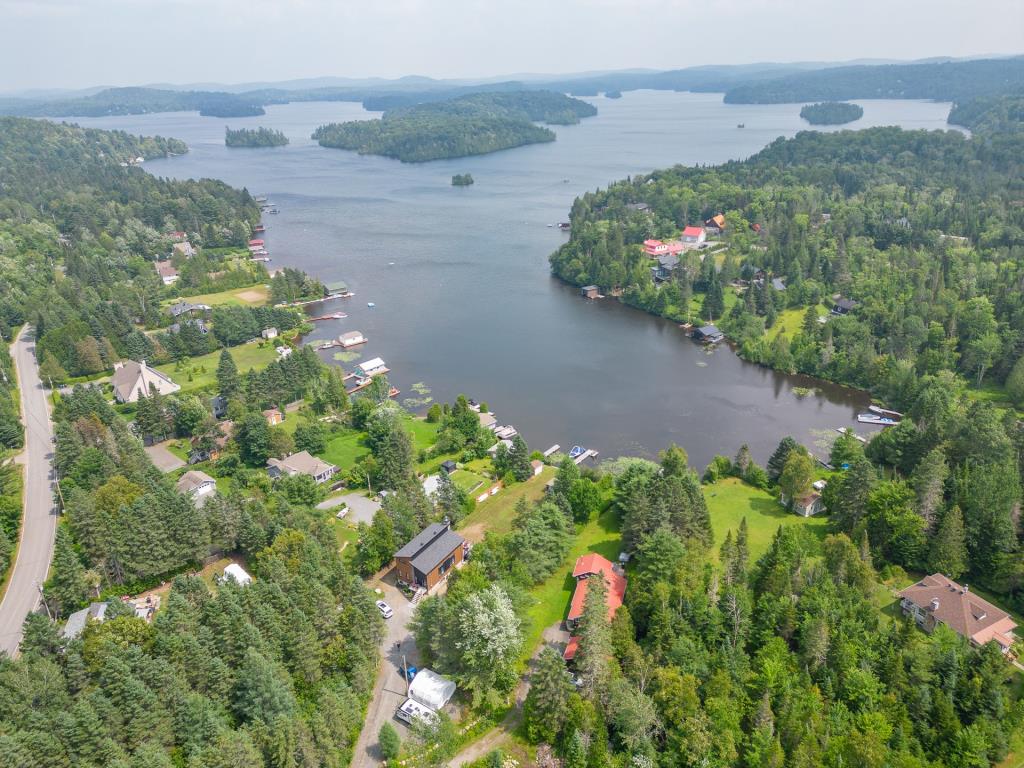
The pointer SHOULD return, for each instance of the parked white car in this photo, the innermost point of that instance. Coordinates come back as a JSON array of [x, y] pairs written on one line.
[[385, 609]]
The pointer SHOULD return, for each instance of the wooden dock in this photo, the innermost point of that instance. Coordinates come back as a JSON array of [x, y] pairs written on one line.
[[551, 450], [587, 454], [332, 316]]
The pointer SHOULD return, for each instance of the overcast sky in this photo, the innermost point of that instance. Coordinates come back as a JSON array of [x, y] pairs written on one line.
[[80, 43]]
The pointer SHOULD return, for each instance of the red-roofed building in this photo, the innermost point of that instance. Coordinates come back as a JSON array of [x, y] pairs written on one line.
[[587, 566], [694, 235], [256, 242], [570, 650], [655, 248]]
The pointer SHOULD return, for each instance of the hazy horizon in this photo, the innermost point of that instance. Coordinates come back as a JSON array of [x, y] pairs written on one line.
[[63, 44]]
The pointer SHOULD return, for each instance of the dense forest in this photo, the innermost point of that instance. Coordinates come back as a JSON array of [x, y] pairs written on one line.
[[831, 113], [80, 227], [137, 101], [942, 81], [470, 125], [990, 114], [254, 137], [275, 673]]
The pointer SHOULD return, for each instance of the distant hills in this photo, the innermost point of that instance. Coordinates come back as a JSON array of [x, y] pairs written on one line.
[[940, 79]]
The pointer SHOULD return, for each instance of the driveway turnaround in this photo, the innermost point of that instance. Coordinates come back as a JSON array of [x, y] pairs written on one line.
[[39, 514]]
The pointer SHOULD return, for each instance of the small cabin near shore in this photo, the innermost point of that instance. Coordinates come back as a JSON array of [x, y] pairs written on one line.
[[590, 292], [707, 334]]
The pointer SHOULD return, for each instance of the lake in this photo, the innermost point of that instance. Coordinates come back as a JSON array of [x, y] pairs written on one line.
[[465, 302]]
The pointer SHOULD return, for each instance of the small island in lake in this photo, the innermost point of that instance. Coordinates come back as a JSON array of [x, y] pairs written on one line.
[[613, 94], [462, 180], [831, 113], [254, 137], [475, 124]]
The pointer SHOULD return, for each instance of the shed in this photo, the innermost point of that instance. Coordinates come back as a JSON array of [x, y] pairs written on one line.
[[590, 292], [431, 690], [448, 466]]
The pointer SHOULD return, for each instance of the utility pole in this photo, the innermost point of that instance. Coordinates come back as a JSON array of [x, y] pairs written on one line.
[[405, 674]]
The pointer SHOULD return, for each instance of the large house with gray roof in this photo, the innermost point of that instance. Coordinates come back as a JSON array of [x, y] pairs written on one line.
[[430, 556], [132, 380]]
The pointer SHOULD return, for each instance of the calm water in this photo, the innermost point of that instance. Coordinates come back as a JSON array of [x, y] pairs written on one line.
[[464, 298]]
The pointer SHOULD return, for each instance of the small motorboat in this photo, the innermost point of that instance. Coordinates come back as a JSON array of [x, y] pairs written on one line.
[[576, 451], [370, 304]]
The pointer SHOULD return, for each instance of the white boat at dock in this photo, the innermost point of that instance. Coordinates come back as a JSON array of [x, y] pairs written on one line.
[[874, 418], [579, 454]]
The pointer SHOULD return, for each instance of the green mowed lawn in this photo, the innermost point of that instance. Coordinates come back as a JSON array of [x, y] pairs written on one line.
[[345, 449], [201, 372], [552, 596], [497, 512], [251, 296], [468, 481], [730, 500], [790, 321]]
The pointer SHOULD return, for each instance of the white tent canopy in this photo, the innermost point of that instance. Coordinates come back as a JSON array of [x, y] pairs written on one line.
[[430, 689], [237, 572]]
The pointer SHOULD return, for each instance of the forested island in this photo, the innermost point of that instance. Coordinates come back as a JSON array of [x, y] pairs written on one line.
[[254, 137], [462, 180], [831, 113], [135, 101], [471, 125]]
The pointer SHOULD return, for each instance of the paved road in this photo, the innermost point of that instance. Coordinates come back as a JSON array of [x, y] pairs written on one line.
[[388, 690], [39, 521]]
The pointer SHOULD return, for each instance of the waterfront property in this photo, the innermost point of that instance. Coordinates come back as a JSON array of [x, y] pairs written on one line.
[[590, 292], [937, 599], [301, 463], [707, 334], [806, 504], [132, 380], [351, 339], [372, 367], [488, 421], [430, 556]]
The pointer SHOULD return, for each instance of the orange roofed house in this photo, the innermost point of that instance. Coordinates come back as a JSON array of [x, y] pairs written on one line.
[[587, 567], [937, 599]]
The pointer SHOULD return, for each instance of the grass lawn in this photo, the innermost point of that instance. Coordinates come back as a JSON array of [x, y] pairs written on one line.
[[424, 434], [790, 321], [345, 533], [468, 481], [730, 500], [251, 296], [496, 513], [552, 596], [204, 369], [344, 450], [180, 448]]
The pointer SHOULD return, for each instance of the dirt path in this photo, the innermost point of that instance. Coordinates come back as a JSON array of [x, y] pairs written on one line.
[[553, 635]]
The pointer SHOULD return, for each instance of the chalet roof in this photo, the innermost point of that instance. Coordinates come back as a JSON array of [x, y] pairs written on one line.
[[184, 307], [131, 377], [421, 540], [847, 304], [692, 231], [487, 420], [76, 622], [964, 612], [596, 565]]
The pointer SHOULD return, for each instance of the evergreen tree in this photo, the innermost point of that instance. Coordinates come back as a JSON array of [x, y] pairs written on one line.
[[67, 590], [519, 460], [948, 554], [778, 458], [546, 701], [928, 481], [594, 635], [228, 381]]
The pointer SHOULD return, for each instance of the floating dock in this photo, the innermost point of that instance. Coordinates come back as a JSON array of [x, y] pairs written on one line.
[[579, 454], [851, 433], [332, 316], [553, 449]]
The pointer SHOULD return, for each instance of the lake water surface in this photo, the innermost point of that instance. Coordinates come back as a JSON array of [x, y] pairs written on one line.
[[465, 302]]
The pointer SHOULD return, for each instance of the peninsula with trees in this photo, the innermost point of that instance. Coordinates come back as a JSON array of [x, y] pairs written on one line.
[[831, 113], [470, 125], [254, 137]]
